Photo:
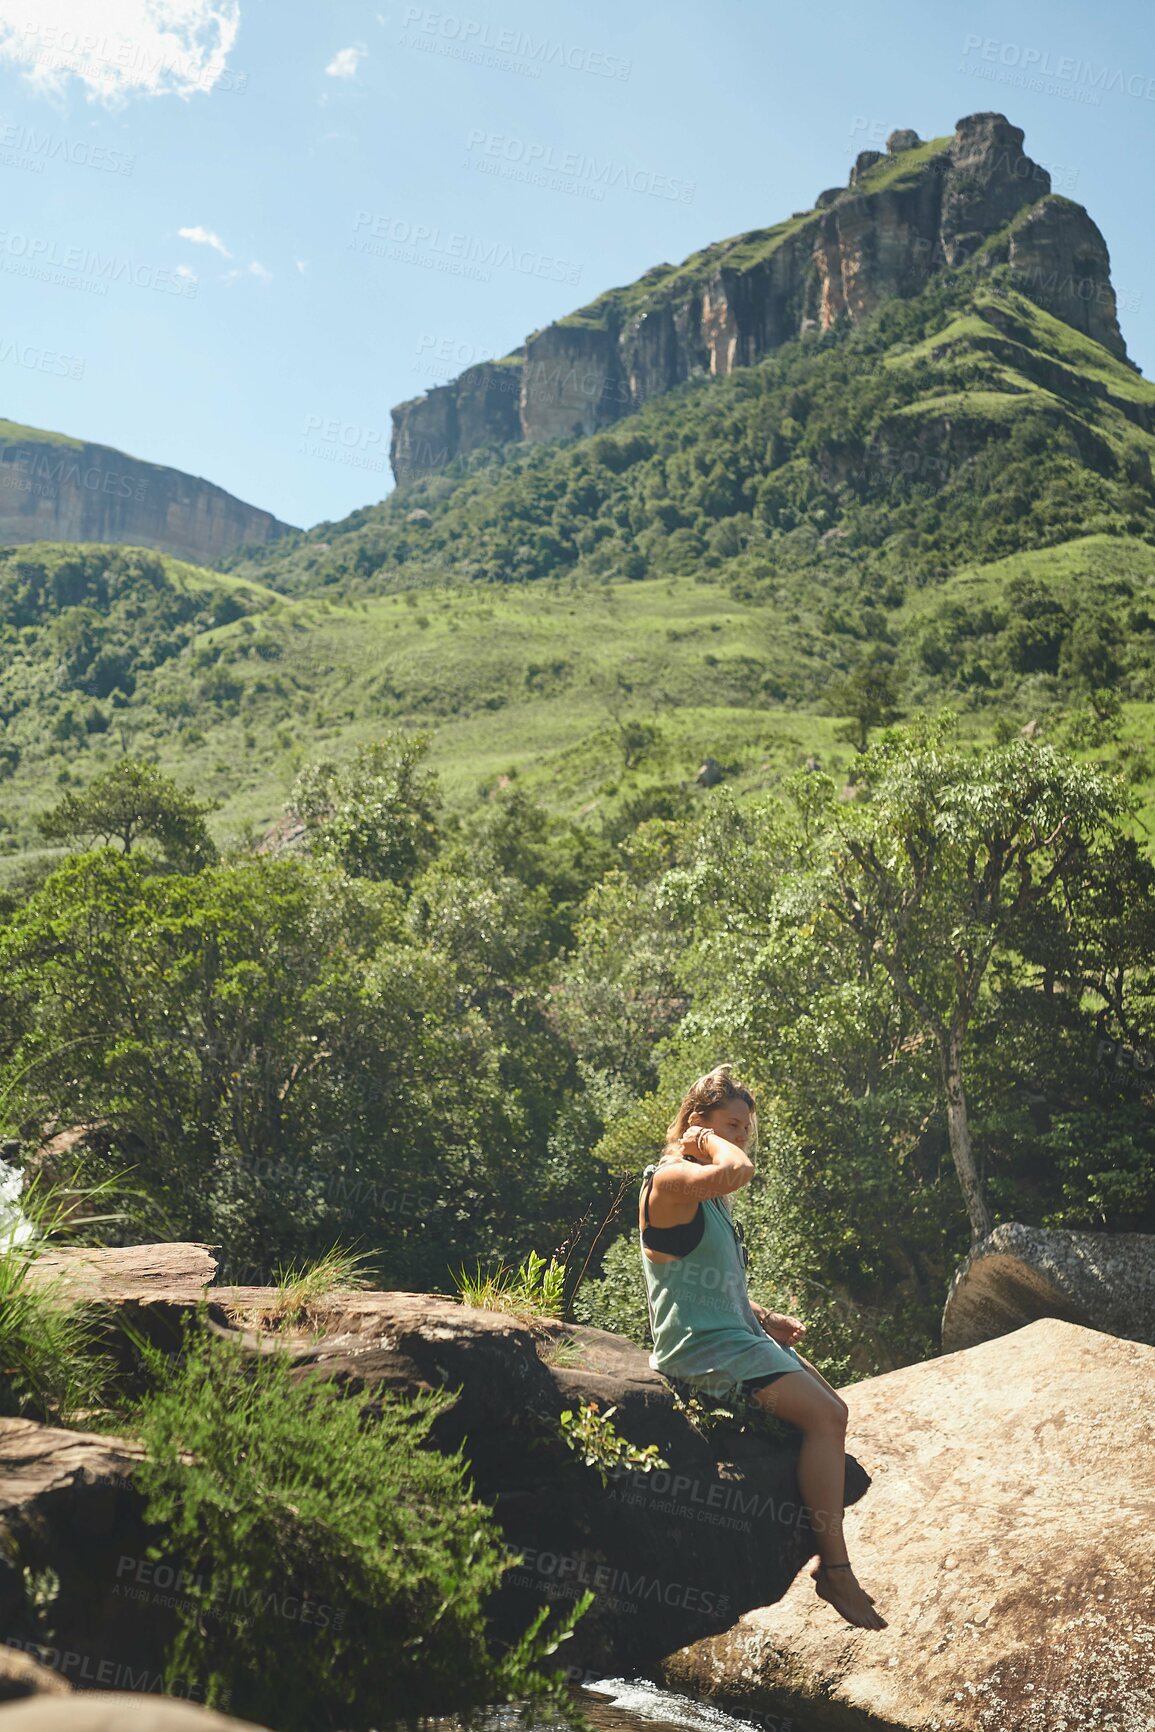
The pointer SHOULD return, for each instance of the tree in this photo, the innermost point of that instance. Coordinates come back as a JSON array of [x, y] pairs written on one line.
[[129, 803], [955, 859], [375, 816], [868, 697], [635, 737]]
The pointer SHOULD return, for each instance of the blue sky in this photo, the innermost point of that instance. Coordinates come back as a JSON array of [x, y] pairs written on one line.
[[373, 196]]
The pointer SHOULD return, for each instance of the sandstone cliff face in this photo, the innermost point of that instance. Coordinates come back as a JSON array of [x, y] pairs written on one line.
[[916, 209], [67, 491]]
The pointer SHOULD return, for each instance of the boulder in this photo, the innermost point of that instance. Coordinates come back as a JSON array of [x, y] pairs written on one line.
[[670, 1555], [1018, 1274], [68, 1507], [117, 1711], [22, 1676], [1006, 1539], [865, 160], [128, 1274]]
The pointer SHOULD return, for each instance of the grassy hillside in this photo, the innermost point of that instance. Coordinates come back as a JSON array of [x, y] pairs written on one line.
[[594, 695], [954, 497]]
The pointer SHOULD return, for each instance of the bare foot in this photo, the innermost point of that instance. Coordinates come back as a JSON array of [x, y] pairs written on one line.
[[836, 1584]]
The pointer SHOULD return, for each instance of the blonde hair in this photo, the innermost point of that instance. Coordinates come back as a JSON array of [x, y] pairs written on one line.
[[712, 1090]]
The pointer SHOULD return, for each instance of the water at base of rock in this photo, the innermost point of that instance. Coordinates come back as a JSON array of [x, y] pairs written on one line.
[[614, 1705]]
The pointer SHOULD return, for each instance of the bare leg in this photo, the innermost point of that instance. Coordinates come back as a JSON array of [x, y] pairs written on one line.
[[814, 1372], [820, 1414]]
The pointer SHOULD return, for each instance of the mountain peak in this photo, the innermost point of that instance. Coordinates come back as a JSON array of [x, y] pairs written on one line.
[[972, 199]]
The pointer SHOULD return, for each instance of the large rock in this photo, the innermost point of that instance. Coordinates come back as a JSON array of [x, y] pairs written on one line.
[[116, 1711], [915, 210], [1018, 1274], [669, 1556], [55, 488], [1006, 1539]]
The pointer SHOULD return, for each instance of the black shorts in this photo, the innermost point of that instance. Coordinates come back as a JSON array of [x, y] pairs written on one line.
[[752, 1383]]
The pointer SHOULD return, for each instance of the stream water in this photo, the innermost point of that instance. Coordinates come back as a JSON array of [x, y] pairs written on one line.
[[14, 1229], [617, 1705]]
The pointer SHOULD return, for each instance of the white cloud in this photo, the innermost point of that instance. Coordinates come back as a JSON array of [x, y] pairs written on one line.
[[254, 269], [185, 271], [205, 238], [302, 265], [345, 62], [123, 47]]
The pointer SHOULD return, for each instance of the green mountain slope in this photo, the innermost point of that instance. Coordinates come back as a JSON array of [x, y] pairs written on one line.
[[857, 458], [955, 490]]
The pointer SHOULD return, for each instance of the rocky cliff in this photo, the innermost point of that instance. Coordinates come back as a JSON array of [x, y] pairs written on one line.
[[53, 488], [974, 199]]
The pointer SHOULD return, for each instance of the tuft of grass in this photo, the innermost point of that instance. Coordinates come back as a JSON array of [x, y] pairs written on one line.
[[51, 1365], [563, 1352], [536, 1287], [302, 1289]]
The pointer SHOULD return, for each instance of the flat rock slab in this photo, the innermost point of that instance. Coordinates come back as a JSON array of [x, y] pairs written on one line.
[[128, 1274], [41, 1462], [1007, 1539], [117, 1711], [1018, 1274]]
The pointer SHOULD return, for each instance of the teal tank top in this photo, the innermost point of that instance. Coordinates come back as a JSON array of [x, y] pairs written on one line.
[[704, 1329]]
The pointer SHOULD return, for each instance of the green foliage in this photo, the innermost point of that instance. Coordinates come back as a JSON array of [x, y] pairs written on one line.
[[131, 802], [332, 1560], [592, 1436], [53, 1364], [868, 697], [537, 1287], [376, 816]]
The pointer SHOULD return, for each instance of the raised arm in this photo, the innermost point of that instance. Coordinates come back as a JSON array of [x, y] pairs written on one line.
[[716, 1168]]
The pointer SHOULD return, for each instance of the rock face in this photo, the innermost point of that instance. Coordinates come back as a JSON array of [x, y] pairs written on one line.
[[1006, 1539], [57, 489], [116, 1711], [914, 210], [663, 1553], [1017, 1274], [1005, 1533], [669, 1556]]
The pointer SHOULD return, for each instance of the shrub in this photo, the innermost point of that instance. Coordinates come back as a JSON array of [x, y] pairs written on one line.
[[334, 1562]]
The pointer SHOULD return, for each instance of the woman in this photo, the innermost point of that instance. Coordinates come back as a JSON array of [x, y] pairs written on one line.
[[706, 1331]]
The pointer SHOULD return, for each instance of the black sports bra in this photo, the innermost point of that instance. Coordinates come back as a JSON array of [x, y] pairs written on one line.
[[679, 1240]]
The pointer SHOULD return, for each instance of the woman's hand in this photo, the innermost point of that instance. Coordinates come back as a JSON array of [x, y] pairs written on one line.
[[785, 1330], [690, 1143]]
